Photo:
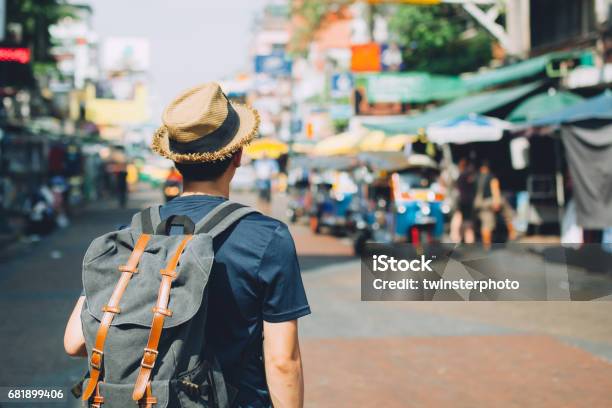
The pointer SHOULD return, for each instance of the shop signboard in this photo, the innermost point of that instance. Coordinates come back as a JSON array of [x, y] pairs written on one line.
[[276, 64], [20, 55], [391, 58], [341, 85], [15, 67], [413, 87], [365, 57], [126, 54]]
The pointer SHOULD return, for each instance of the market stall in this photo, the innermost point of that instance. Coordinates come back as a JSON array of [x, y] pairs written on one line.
[[585, 130]]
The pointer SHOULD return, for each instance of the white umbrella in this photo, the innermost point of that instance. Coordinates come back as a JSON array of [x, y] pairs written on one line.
[[468, 129]]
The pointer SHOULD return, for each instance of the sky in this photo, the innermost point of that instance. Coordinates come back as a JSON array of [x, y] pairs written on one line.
[[192, 41]]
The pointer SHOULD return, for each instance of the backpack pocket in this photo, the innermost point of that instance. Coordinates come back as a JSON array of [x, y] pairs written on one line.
[[100, 275], [120, 395]]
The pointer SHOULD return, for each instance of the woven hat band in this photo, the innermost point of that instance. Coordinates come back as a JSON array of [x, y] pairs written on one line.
[[213, 141]]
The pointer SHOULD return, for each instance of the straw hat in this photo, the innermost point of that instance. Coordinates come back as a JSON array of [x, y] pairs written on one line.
[[202, 125]]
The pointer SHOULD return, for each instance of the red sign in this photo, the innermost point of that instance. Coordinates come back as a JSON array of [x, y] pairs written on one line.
[[20, 55]]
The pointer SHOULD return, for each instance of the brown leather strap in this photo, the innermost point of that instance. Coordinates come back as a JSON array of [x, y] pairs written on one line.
[[98, 399], [148, 400], [110, 310], [160, 311]]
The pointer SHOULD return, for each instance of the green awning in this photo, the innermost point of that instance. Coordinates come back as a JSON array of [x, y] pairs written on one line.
[[480, 104], [595, 108], [542, 105], [521, 70], [412, 87], [422, 87]]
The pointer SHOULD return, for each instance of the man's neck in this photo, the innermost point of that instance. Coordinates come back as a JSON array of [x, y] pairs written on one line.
[[213, 188]]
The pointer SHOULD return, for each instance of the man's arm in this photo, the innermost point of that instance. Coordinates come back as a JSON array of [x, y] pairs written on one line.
[[283, 364], [74, 341]]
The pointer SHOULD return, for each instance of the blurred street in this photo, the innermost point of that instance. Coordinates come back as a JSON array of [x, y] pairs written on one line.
[[472, 136], [438, 354]]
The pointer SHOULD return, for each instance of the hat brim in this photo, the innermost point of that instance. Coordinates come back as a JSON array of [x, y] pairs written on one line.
[[249, 125]]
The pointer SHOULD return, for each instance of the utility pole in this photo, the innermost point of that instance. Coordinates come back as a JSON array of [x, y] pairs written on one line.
[[518, 26], [515, 38]]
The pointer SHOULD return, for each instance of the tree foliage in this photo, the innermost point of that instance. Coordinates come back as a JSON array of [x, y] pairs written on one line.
[[311, 14], [434, 39]]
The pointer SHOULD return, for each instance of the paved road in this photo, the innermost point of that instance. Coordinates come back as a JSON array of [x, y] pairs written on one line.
[[391, 354]]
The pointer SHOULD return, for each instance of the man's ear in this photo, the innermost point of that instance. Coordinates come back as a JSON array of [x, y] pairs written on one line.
[[237, 159]]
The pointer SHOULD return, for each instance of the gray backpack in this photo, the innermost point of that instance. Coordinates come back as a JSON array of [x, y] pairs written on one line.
[[145, 315]]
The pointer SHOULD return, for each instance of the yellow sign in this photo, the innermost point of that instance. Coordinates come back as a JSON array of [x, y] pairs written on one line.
[[117, 112]]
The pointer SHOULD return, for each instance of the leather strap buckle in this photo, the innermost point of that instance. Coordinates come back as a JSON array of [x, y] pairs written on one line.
[[146, 402], [165, 312], [125, 268], [165, 272], [96, 358], [97, 399], [111, 309], [149, 357]]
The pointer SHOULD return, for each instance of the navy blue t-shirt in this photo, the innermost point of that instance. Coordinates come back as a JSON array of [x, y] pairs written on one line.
[[255, 277]]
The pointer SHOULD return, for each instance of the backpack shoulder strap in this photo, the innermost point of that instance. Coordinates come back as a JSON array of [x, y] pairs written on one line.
[[222, 217], [147, 220], [110, 310], [160, 312]]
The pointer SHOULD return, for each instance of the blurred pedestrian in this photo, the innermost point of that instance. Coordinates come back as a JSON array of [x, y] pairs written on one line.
[[462, 221], [41, 216], [265, 170], [118, 167], [488, 203], [60, 190]]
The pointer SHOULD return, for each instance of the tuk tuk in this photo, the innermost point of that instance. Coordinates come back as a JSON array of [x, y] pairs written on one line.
[[402, 200], [332, 190]]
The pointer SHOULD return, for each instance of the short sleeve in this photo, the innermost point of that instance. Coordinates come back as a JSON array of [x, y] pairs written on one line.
[[284, 297]]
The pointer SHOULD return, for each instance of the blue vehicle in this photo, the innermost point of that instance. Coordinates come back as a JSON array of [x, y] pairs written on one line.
[[403, 201], [333, 196], [325, 195]]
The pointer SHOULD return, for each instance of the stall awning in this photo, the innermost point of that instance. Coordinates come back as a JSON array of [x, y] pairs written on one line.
[[510, 73], [377, 141], [542, 105], [479, 104], [598, 107], [468, 129], [344, 143], [322, 162], [266, 146], [372, 141]]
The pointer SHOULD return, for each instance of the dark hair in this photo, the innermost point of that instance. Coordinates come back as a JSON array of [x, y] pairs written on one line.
[[203, 171]]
